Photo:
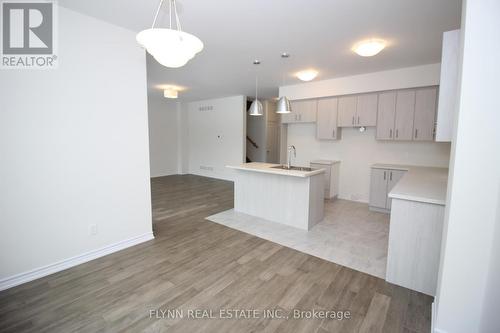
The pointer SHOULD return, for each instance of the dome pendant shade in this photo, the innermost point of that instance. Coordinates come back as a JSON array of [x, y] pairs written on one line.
[[256, 108], [171, 48], [283, 105]]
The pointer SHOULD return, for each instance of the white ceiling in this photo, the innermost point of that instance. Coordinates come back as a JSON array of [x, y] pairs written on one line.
[[317, 33]]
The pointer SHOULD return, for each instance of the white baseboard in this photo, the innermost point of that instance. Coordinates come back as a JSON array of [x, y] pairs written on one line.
[[434, 329], [37, 273]]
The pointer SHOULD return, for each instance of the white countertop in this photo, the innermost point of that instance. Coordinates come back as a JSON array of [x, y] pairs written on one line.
[[327, 162], [423, 184], [267, 168]]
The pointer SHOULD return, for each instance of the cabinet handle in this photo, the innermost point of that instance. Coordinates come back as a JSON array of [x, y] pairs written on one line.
[[416, 133], [390, 177], [384, 174], [397, 132], [358, 120], [333, 133], [390, 133], [353, 120]]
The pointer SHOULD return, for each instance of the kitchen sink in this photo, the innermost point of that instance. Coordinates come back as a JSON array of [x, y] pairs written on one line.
[[296, 168]]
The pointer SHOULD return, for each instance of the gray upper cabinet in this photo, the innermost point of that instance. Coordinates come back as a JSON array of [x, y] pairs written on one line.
[[303, 111], [407, 115], [347, 111], [386, 115], [425, 114], [358, 110], [326, 123], [366, 110], [287, 118], [405, 111], [402, 115]]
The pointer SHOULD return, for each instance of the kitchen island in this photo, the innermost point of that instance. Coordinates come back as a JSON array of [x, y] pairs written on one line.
[[291, 197]]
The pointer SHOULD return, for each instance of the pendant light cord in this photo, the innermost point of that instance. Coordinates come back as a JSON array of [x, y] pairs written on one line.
[[177, 21], [157, 12], [256, 87]]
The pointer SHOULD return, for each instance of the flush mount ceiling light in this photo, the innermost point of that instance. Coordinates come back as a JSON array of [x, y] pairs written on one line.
[[256, 108], [170, 93], [307, 75], [283, 103], [369, 47], [170, 47]]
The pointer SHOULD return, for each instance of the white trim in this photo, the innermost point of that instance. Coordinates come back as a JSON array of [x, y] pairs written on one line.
[[433, 315], [433, 320], [37, 273]]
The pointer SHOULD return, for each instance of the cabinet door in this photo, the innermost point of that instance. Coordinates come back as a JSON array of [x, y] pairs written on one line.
[[386, 115], [393, 177], [425, 114], [378, 188], [328, 172], [366, 110], [326, 122], [287, 118], [307, 111], [405, 110], [347, 111]]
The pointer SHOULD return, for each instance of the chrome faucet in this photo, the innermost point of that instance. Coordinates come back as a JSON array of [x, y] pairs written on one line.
[[290, 149]]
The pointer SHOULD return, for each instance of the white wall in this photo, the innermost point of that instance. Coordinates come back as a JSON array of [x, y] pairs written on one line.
[[216, 137], [74, 148], [409, 77], [358, 151], [163, 135], [467, 297]]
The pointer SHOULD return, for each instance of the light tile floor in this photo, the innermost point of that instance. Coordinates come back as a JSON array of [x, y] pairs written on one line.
[[350, 235]]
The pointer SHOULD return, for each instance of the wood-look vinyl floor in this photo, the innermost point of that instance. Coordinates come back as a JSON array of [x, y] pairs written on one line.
[[197, 264]]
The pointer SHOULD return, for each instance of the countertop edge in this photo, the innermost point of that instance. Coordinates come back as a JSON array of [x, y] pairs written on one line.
[[278, 172], [417, 199]]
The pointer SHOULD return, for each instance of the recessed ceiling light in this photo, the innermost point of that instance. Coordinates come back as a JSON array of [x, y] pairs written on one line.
[[307, 75], [369, 47], [170, 93]]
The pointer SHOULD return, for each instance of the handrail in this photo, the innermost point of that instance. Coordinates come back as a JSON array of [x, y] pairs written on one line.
[[252, 142]]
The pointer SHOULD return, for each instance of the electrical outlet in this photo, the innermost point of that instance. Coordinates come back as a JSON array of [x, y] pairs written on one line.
[[355, 197], [206, 168], [93, 229]]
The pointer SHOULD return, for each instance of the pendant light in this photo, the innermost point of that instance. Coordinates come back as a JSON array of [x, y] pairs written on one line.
[[170, 47], [256, 108], [283, 103]]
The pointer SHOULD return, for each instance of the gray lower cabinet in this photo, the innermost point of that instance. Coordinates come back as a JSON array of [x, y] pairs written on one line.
[[382, 182], [393, 177]]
